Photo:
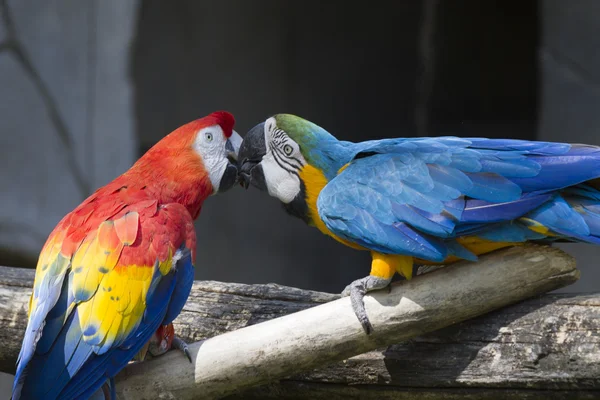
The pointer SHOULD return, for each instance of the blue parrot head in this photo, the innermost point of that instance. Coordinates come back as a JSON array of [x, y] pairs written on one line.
[[288, 157]]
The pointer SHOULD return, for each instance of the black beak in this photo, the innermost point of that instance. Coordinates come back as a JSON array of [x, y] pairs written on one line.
[[251, 153], [230, 176]]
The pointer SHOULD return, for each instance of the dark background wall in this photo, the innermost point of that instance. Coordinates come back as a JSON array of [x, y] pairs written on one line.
[[390, 69], [102, 81]]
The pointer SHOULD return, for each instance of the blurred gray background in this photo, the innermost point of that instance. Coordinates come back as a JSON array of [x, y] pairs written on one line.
[[86, 86]]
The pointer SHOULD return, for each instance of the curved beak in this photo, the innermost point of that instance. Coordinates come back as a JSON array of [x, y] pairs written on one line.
[[232, 146], [230, 176], [251, 153]]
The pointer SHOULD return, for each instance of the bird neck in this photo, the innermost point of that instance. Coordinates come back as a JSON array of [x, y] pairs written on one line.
[[313, 181], [323, 164], [329, 156]]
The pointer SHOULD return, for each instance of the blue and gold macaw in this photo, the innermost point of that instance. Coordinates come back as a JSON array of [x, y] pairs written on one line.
[[424, 200]]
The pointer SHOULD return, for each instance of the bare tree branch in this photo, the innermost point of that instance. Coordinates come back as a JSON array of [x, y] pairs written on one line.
[[287, 345], [330, 332]]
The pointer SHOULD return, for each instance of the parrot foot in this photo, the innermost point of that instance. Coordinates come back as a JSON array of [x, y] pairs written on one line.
[[179, 344], [357, 290], [165, 340]]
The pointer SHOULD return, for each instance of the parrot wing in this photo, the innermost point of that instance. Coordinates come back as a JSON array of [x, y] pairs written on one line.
[[110, 274], [414, 196]]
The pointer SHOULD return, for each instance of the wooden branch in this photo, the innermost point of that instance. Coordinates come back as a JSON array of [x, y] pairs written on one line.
[[466, 355], [544, 348]]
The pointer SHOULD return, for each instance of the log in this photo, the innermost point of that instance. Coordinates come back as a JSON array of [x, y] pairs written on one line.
[[544, 348], [546, 343]]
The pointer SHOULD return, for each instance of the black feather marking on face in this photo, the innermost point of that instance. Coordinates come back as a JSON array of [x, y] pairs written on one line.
[[285, 166], [276, 144], [298, 207]]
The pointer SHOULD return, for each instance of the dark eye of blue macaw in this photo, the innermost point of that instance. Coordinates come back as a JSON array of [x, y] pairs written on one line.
[[288, 150]]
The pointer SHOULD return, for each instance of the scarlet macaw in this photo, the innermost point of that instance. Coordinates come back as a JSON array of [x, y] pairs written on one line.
[[120, 266], [424, 200]]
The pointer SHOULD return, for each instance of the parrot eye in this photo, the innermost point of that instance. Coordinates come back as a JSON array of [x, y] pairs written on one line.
[[208, 136], [288, 150]]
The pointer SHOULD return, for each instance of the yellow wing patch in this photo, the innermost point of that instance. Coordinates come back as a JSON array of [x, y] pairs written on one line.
[[111, 297], [94, 259], [119, 304]]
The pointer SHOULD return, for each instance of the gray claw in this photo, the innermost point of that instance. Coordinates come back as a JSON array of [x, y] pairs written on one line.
[[357, 290], [181, 345], [357, 293]]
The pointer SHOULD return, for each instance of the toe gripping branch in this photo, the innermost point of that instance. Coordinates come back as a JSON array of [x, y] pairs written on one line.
[[357, 291]]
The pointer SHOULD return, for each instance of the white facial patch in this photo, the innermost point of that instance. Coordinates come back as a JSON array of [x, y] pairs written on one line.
[[210, 145], [281, 163]]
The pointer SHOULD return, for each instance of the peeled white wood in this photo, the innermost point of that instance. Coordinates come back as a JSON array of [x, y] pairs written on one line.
[[330, 332]]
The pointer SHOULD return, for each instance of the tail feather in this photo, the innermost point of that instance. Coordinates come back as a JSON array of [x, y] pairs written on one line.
[[573, 216], [579, 165]]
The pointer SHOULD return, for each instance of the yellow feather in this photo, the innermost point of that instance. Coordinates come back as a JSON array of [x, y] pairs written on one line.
[[314, 181], [343, 168], [165, 266], [536, 226], [118, 305], [386, 265]]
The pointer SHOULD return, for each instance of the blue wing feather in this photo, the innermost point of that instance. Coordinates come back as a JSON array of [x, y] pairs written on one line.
[[481, 211], [183, 286], [416, 196]]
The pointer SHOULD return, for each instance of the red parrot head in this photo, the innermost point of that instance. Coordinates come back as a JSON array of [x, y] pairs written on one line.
[[217, 144], [204, 148], [191, 163]]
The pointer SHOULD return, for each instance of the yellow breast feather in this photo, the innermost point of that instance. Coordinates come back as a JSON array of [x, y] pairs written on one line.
[[314, 181]]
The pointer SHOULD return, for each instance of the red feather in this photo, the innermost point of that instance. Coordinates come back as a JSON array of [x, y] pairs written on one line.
[[225, 120], [109, 246]]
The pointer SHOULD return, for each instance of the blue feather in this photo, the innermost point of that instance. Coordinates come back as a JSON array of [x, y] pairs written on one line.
[[183, 286], [458, 250], [56, 318], [484, 211], [402, 196], [509, 233], [492, 187], [579, 164], [433, 224], [531, 147], [47, 295], [558, 216]]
